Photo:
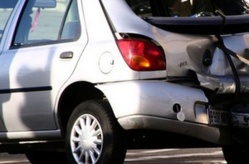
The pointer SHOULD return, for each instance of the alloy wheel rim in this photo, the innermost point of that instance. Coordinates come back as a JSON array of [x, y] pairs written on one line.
[[86, 140]]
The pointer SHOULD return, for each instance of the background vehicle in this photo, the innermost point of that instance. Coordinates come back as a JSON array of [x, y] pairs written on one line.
[[93, 77]]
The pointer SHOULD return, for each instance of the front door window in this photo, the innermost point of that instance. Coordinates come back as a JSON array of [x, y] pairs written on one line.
[[6, 8]]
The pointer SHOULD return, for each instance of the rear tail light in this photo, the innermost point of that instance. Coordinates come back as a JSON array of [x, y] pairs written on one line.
[[142, 55]]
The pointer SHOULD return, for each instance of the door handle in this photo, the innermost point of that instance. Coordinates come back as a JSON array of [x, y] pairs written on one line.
[[66, 55]]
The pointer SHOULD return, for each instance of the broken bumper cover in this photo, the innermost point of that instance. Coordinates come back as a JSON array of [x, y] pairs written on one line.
[[223, 84]]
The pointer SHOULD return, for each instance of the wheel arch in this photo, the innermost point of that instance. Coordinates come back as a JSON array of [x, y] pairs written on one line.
[[72, 96]]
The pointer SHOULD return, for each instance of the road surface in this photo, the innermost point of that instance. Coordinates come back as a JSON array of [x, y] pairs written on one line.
[[157, 156]]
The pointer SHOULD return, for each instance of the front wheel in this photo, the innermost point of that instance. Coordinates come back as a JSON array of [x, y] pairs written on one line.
[[94, 136]]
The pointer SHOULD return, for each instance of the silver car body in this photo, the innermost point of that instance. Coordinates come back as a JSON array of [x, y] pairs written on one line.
[[32, 85]]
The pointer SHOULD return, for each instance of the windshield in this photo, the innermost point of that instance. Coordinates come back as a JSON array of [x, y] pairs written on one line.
[[6, 8], [188, 8]]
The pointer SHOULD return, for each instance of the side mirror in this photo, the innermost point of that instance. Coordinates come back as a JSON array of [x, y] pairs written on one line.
[[45, 3]]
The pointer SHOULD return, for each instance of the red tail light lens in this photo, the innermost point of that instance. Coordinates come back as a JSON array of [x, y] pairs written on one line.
[[142, 55]]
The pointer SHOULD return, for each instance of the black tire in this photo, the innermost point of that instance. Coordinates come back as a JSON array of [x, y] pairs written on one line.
[[41, 157], [235, 154], [93, 129]]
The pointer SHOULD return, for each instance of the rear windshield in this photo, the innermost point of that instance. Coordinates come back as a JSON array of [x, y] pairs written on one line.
[[187, 8]]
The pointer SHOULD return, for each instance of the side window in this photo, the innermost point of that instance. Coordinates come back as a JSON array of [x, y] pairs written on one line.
[[6, 8], [71, 28], [43, 22]]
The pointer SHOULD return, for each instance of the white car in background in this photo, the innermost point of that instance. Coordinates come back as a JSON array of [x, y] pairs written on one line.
[[91, 78]]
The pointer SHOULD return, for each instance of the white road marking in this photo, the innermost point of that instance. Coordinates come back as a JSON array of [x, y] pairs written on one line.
[[13, 162], [150, 151], [173, 156]]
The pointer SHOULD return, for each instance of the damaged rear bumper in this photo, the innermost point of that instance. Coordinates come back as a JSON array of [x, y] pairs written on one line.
[[156, 98], [164, 106]]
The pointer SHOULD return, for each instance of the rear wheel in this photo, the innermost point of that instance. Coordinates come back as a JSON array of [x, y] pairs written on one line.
[[235, 154], [94, 136]]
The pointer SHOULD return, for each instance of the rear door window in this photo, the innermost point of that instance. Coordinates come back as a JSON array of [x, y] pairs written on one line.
[[48, 22]]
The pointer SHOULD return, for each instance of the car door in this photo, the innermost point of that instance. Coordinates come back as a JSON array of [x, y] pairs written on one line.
[[47, 43], [7, 8]]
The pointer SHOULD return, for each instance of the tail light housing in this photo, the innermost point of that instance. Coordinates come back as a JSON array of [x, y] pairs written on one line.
[[142, 55]]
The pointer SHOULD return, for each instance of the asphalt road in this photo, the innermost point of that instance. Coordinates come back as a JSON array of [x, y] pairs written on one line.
[[157, 156]]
